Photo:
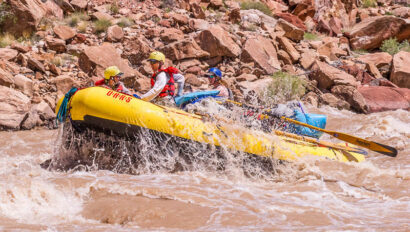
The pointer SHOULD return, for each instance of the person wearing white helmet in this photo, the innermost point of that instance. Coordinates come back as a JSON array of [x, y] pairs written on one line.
[[163, 81], [111, 80]]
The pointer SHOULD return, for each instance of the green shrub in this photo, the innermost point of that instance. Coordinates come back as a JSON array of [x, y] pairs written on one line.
[[125, 22], [6, 14], [360, 51], [114, 8], [57, 61], [45, 24], [392, 46], [75, 18], [369, 3], [284, 87], [101, 25], [6, 40], [247, 5], [310, 36], [404, 46], [82, 27]]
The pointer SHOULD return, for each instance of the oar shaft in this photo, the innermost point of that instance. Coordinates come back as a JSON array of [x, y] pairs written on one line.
[[377, 147]]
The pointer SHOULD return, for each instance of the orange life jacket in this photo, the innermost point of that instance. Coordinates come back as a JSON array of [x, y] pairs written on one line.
[[169, 89]]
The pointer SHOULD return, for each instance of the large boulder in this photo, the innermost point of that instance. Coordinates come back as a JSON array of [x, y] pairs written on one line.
[[55, 44], [291, 31], [171, 34], [115, 33], [63, 83], [380, 59], [328, 76], [308, 57], [64, 32], [257, 17], [382, 98], [28, 14], [14, 107], [6, 79], [95, 59], [331, 50], [261, 51], [24, 84], [371, 32], [136, 49], [404, 33], [351, 95], [44, 111], [184, 49], [400, 74], [331, 100], [286, 45], [8, 53], [79, 4], [218, 42], [293, 19]]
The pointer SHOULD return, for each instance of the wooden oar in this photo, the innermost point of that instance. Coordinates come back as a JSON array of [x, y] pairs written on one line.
[[377, 147], [320, 143]]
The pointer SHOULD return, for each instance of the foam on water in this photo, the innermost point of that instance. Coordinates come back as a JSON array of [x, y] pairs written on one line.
[[301, 196]]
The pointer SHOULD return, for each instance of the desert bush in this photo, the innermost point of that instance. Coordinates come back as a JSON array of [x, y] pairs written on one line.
[[6, 40], [82, 26], [101, 25], [284, 87], [125, 22], [114, 8], [76, 18], [360, 51], [6, 14], [57, 61], [247, 5], [392, 46], [369, 3], [310, 36]]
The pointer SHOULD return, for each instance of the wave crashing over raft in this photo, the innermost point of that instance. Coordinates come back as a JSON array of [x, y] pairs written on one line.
[[149, 151]]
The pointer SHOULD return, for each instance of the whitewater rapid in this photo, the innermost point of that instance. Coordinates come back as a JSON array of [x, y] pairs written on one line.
[[304, 196]]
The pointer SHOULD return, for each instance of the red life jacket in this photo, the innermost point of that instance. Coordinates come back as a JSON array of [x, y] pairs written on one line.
[[101, 82], [169, 88]]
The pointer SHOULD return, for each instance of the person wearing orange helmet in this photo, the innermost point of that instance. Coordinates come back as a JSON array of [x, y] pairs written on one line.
[[111, 80], [163, 81]]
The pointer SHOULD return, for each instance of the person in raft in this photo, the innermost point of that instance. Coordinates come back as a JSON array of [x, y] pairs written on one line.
[[111, 80], [163, 81], [215, 80]]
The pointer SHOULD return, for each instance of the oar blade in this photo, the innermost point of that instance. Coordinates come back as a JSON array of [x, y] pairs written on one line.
[[390, 151], [377, 147]]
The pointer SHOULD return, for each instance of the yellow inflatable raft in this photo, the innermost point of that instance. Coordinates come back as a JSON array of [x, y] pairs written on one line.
[[108, 110]]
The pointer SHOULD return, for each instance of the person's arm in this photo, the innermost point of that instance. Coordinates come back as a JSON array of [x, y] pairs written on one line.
[[180, 80], [99, 82], [124, 89], [160, 83]]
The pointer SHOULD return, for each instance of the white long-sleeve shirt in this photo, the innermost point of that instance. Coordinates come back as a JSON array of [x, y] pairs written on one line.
[[160, 82]]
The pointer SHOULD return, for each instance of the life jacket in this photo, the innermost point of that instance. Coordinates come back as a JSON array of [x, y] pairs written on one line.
[[169, 89]]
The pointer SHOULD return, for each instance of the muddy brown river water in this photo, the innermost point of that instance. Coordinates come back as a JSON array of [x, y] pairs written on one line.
[[311, 195]]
